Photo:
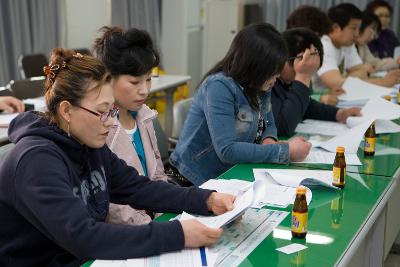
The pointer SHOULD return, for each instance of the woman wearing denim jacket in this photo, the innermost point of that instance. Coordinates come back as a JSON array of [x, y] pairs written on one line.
[[130, 56], [231, 120]]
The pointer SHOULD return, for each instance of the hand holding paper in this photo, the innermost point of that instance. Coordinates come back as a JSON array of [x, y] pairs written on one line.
[[220, 203]]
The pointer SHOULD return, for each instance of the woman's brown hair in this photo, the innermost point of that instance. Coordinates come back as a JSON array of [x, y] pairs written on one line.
[[68, 77]]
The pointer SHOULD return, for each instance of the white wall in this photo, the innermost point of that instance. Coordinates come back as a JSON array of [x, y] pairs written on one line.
[[82, 20]]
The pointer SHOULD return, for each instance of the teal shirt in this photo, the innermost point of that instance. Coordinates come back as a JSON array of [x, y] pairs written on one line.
[[138, 145]]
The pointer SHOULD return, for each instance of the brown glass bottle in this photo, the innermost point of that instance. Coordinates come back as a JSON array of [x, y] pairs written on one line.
[[339, 168], [370, 140], [300, 214]]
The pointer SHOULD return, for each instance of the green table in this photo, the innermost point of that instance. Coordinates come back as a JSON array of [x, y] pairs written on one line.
[[351, 227], [336, 221]]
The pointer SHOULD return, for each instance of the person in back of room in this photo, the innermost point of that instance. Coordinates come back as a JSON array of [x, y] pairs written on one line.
[[341, 57], [384, 45], [370, 26], [57, 181], [11, 104], [290, 98], [129, 56], [230, 120]]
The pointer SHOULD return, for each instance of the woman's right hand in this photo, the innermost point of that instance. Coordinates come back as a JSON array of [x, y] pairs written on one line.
[[299, 148], [198, 235]]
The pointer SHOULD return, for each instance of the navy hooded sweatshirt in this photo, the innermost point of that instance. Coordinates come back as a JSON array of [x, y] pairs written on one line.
[[54, 197]]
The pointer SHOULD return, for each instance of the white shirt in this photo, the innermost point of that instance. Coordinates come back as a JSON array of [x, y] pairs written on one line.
[[333, 57]]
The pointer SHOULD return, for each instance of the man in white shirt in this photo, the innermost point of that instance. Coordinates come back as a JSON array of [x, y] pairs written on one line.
[[341, 57]]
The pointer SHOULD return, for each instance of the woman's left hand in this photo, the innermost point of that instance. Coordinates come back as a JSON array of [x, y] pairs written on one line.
[[220, 203]]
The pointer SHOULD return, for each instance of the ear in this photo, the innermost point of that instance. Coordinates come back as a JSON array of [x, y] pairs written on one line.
[[336, 27], [64, 110]]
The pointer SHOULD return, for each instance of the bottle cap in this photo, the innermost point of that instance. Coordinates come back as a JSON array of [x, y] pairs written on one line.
[[301, 190], [340, 149], [387, 97]]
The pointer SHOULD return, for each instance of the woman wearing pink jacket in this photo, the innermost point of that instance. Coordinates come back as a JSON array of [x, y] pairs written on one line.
[[130, 56]]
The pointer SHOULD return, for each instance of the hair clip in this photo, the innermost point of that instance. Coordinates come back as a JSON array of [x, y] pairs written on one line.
[[52, 70], [78, 55]]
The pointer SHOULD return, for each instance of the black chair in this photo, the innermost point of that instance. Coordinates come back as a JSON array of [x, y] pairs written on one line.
[[28, 88], [162, 141], [32, 65], [4, 91]]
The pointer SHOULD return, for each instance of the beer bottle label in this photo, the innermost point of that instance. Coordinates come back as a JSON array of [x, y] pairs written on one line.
[[299, 222], [336, 175], [369, 145]]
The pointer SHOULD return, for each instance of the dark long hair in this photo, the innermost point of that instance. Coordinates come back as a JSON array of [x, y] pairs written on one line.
[[256, 54]]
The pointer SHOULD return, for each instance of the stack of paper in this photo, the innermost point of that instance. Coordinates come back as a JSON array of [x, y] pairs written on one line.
[[357, 89], [318, 156], [380, 109]]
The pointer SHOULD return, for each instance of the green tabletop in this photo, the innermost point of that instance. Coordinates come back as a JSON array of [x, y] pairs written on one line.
[[335, 218], [384, 163]]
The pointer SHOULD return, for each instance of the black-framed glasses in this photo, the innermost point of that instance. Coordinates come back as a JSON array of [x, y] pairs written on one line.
[[300, 57], [105, 115]]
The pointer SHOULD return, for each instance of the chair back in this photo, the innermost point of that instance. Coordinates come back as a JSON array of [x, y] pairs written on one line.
[[181, 110], [32, 65], [28, 88], [162, 141]]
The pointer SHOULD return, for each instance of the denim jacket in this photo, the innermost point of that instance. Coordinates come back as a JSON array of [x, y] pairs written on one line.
[[220, 130]]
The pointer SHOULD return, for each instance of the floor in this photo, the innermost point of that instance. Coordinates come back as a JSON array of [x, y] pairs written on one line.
[[393, 259]]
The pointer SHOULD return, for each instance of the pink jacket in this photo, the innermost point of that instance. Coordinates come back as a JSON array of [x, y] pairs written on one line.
[[118, 141]]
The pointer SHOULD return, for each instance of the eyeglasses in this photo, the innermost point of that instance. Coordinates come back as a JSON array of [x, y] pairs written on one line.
[[300, 57], [103, 116]]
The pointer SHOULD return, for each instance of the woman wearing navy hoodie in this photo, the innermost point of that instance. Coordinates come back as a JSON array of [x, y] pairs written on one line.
[[58, 180]]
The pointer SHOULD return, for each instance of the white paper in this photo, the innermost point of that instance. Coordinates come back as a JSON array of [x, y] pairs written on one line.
[[294, 178], [379, 74], [329, 128], [232, 186], [357, 89], [39, 103], [377, 108], [242, 202], [317, 156], [109, 263], [242, 237], [183, 258], [6, 118], [292, 248], [385, 126], [278, 195], [358, 103], [350, 140]]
